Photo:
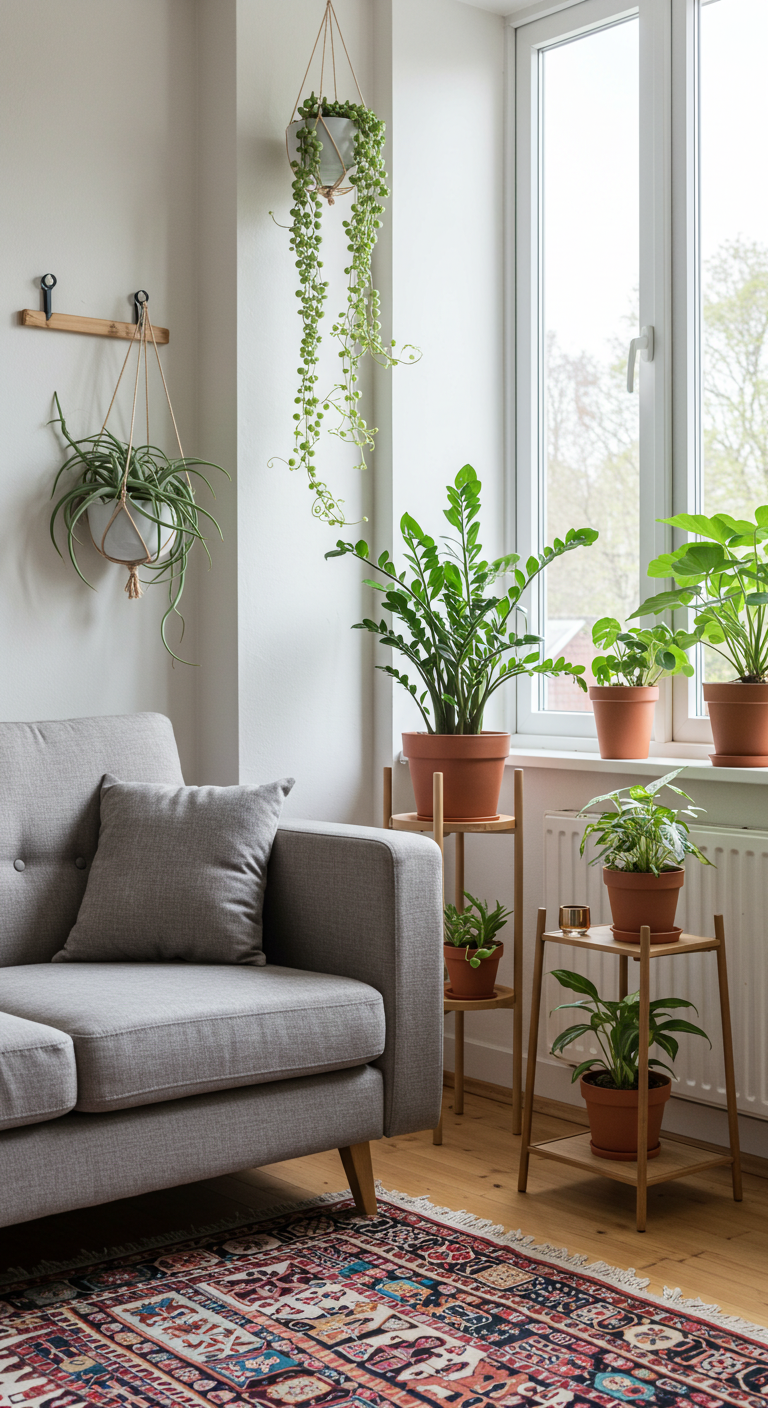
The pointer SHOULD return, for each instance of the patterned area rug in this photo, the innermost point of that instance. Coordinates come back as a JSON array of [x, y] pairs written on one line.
[[410, 1308]]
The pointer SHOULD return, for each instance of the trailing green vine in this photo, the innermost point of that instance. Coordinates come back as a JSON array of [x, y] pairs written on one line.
[[358, 327]]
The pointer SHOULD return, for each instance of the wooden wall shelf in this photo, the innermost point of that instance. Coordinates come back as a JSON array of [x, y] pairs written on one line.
[[96, 327]]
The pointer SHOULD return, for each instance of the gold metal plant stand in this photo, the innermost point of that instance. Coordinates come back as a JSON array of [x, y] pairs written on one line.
[[675, 1160], [503, 996]]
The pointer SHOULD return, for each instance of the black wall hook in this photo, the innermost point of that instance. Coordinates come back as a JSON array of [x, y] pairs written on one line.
[[47, 284], [139, 299]]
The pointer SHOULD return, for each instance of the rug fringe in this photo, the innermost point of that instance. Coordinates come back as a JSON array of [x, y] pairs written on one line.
[[671, 1299]]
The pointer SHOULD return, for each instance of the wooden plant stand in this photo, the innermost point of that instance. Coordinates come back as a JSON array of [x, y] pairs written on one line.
[[675, 1160], [503, 996]]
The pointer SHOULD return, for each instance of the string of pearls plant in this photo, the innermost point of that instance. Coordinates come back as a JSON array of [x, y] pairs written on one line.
[[358, 328]]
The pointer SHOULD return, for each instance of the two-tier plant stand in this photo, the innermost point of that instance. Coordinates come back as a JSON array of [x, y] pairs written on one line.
[[676, 1160], [503, 996]]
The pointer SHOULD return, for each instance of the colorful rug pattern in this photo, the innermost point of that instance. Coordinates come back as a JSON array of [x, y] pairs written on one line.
[[318, 1308]]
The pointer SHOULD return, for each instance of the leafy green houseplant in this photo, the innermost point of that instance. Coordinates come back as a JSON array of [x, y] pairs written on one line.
[[139, 506], [470, 944], [458, 632], [627, 674], [609, 1081], [643, 845], [723, 582], [322, 147]]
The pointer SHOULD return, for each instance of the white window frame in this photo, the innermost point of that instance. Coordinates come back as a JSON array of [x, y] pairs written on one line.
[[669, 293]]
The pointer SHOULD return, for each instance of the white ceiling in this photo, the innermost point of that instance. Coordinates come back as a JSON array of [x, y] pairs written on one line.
[[498, 7]]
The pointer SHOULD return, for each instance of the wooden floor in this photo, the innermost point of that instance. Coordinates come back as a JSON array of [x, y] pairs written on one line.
[[697, 1238]]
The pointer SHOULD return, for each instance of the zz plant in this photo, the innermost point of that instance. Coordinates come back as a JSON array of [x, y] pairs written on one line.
[[162, 489], [616, 1028], [358, 328], [461, 640]]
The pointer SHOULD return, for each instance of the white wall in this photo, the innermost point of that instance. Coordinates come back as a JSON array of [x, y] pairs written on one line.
[[97, 170]]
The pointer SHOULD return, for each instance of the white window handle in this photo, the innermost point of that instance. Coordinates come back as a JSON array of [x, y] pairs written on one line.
[[643, 345]]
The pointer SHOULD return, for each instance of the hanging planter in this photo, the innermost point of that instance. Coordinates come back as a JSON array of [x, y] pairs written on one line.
[[139, 506], [336, 147]]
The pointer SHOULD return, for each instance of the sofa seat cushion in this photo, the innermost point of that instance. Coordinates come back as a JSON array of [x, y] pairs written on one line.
[[38, 1076], [149, 1032]]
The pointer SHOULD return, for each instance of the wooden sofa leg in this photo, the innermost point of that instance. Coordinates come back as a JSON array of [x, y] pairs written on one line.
[[359, 1170]]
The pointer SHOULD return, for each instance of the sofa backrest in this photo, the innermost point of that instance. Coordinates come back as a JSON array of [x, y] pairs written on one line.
[[50, 778]]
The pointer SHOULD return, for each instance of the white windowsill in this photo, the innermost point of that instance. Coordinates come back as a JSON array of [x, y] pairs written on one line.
[[698, 769]]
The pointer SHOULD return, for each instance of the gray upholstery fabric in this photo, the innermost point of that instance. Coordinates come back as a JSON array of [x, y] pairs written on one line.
[[368, 904], [50, 776], [38, 1077], [81, 1160], [179, 874], [147, 1033]]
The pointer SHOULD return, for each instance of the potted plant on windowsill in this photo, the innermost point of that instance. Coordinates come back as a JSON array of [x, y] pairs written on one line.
[[470, 948], [627, 675], [464, 645], [609, 1082], [644, 845], [724, 582]]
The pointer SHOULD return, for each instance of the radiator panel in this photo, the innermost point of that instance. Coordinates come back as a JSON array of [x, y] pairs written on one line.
[[737, 889]]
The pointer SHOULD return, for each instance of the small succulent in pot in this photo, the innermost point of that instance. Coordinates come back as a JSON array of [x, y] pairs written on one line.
[[609, 1081], [470, 947], [643, 849]]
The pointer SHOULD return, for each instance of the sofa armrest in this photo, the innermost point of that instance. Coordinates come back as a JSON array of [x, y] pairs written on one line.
[[367, 904]]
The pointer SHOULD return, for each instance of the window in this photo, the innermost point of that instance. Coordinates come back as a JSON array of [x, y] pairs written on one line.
[[640, 201]]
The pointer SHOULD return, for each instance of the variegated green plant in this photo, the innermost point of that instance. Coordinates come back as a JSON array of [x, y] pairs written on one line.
[[641, 834]]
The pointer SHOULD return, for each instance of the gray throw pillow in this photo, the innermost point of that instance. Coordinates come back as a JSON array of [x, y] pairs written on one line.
[[179, 873]]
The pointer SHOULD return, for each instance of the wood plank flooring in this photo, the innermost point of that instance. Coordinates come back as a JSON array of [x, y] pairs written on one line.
[[697, 1238]]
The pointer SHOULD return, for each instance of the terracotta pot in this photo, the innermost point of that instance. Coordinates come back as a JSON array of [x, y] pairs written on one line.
[[613, 1118], [623, 718], [638, 899], [739, 716], [473, 984], [472, 765]]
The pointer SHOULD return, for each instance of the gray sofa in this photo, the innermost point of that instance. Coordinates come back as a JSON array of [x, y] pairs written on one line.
[[118, 1078]]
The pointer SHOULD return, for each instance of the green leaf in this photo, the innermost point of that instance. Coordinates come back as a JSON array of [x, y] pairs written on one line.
[[575, 981]]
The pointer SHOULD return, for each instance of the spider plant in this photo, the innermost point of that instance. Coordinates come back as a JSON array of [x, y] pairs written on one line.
[[161, 487], [475, 929], [616, 1028]]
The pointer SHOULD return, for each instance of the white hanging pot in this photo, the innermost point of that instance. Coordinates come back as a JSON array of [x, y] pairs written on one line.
[[337, 157], [119, 539]]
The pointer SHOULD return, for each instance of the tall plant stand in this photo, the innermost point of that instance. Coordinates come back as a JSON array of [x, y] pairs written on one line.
[[503, 996], [675, 1160]]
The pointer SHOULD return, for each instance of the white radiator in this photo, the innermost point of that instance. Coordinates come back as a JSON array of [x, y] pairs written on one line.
[[738, 889]]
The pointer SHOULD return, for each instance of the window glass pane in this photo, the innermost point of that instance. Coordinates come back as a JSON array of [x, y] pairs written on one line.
[[589, 182], [733, 246]]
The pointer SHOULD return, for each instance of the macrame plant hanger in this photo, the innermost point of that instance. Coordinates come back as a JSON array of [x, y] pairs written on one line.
[[143, 326], [328, 23]]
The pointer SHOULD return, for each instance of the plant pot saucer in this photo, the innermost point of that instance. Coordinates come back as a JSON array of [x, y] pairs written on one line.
[[623, 1158], [736, 760], [459, 820], [457, 997], [632, 936]]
